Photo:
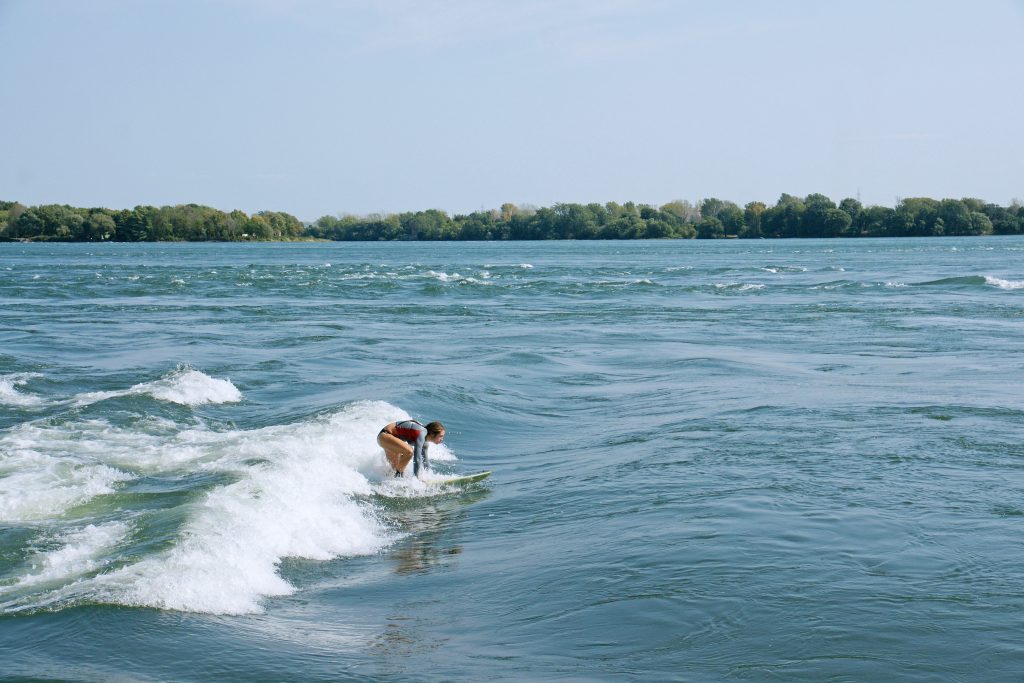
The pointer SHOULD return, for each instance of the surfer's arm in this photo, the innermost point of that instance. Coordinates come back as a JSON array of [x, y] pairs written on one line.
[[419, 453]]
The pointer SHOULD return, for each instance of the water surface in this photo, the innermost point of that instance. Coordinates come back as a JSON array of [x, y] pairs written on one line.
[[757, 460]]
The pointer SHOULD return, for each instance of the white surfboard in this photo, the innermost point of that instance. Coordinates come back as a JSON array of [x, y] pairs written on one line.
[[458, 479]]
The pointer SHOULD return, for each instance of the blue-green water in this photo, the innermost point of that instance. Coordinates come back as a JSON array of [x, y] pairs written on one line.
[[770, 460]]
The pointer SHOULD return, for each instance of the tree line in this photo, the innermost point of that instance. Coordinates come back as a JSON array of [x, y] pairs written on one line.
[[183, 223], [812, 216]]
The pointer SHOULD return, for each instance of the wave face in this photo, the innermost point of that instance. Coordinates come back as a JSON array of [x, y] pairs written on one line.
[[252, 498], [795, 460]]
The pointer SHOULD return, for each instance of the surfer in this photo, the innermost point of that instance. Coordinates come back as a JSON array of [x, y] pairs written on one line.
[[408, 440]]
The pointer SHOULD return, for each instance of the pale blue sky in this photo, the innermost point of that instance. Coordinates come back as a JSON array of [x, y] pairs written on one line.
[[316, 107]]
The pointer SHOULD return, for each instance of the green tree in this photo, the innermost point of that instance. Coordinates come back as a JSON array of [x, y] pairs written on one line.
[[12, 212], [785, 219], [710, 228], [655, 229], [813, 222], [956, 217], [479, 225], [48, 222], [508, 210], [134, 225], [524, 226], [98, 227], [732, 218], [980, 224], [686, 231], [574, 222], [710, 207], [1004, 220], [683, 210], [871, 221], [836, 223], [753, 218], [425, 225], [281, 225], [973, 204]]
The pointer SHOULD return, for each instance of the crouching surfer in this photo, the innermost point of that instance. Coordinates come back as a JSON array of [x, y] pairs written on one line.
[[408, 440]]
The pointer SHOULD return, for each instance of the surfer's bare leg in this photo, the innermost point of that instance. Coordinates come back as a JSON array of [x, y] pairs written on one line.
[[398, 452]]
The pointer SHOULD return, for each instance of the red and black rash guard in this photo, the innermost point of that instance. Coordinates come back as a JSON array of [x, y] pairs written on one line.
[[414, 434]]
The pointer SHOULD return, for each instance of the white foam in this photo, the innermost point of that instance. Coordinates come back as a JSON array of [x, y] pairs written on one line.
[[297, 490], [184, 385], [9, 394], [191, 387], [456, 277], [38, 485], [1004, 284], [47, 469], [79, 553], [739, 286], [784, 269], [296, 502]]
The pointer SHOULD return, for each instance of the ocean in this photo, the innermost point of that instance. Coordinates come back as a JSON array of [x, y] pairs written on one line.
[[721, 460]]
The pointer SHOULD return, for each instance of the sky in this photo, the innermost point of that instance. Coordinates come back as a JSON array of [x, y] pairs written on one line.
[[331, 107]]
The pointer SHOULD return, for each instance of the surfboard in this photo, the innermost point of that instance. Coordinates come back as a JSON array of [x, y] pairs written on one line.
[[458, 480]]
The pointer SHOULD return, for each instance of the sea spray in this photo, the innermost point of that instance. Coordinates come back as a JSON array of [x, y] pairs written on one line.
[[294, 490], [10, 394], [1004, 284], [52, 466], [44, 473], [294, 500], [78, 551], [185, 386]]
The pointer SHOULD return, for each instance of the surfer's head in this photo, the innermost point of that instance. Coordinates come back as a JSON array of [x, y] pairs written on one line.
[[435, 432]]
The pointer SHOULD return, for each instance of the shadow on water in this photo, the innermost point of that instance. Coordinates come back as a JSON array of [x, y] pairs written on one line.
[[430, 552], [431, 526]]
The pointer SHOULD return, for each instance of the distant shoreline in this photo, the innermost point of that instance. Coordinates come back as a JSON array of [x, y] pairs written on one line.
[[813, 216]]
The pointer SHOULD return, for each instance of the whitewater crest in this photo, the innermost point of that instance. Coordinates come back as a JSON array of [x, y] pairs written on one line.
[[457, 278], [257, 496], [1004, 284], [77, 552], [185, 386], [10, 394]]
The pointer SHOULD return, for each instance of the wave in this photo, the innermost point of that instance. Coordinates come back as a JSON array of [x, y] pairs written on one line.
[[48, 468], [1004, 284], [965, 280], [738, 287], [783, 269], [78, 552], [975, 281], [9, 394], [41, 476], [285, 491], [185, 386], [462, 279]]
